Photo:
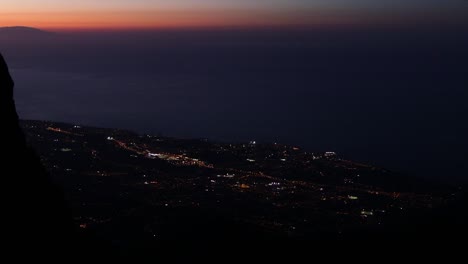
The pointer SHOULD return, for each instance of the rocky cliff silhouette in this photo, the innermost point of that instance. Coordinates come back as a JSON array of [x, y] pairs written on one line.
[[35, 217]]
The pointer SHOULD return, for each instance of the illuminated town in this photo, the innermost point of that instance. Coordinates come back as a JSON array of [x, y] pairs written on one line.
[[132, 187]]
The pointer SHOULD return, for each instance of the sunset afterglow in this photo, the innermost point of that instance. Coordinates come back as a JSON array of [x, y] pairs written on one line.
[[140, 14], [156, 19]]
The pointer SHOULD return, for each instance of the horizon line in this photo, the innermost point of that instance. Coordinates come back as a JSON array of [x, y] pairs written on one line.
[[336, 26]]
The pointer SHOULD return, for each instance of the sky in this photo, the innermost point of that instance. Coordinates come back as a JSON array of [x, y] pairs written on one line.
[[121, 14]]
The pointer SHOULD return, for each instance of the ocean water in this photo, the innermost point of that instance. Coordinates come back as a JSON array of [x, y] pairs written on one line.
[[394, 98]]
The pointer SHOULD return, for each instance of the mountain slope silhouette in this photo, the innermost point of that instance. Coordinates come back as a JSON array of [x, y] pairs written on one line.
[[35, 216], [22, 31]]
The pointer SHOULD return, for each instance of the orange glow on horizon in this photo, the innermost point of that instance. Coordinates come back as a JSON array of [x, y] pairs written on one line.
[[155, 19], [210, 18]]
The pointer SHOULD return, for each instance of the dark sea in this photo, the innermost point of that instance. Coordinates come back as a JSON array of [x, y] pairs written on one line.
[[396, 98]]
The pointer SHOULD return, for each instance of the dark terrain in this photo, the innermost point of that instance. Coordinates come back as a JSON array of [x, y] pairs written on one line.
[[33, 207], [140, 191]]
